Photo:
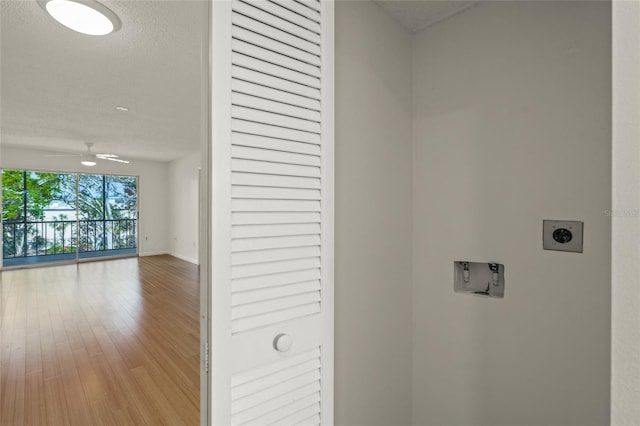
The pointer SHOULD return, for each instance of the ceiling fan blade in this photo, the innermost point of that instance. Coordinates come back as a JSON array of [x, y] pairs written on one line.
[[107, 156], [63, 155], [113, 159]]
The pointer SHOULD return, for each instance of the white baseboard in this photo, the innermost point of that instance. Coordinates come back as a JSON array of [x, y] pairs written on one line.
[[151, 253], [185, 258]]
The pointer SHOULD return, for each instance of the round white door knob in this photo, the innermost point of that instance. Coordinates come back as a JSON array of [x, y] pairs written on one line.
[[282, 342]]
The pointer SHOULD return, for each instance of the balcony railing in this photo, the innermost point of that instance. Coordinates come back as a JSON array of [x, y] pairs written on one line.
[[43, 238]]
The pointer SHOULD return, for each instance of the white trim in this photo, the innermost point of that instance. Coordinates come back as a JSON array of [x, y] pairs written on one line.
[[153, 253], [204, 218], [185, 258], [328, 185], [1, 223], [220, 204], [625, 232]]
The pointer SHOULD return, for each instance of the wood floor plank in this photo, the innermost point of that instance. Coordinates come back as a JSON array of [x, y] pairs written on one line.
[[74, 393], [160, 402], [34, 354], [100, 343], [50, 364], [13, 405], [116, 391], [93, 388], [55, 404], [102, 414], [35, 414], [140, 406]]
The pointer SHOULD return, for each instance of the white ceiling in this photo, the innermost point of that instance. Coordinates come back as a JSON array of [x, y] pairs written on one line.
[[417, 15], [60, 88]]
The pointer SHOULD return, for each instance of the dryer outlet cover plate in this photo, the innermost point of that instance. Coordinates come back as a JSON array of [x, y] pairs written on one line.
[[562, 235]]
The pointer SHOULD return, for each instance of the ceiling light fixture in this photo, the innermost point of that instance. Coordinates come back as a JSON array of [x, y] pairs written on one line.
[[88, 163], [122, 108], [85, 16]]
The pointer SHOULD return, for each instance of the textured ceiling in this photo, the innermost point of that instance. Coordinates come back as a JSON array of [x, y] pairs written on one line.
[[418, 14], [60, 88]]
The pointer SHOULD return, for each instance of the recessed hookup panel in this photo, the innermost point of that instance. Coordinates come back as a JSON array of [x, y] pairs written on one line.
[[479, 278]]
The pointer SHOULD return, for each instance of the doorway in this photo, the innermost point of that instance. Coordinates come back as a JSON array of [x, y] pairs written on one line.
[[134, 96]]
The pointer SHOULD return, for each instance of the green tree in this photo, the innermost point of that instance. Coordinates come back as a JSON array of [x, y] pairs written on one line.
[[104, 205], [64, 236], [39, 189], [12, 195]]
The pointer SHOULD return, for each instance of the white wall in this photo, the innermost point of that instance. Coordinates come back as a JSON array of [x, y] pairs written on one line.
[[512, 126], [152, 191], [625, 389], [373, 218], [183, 193]]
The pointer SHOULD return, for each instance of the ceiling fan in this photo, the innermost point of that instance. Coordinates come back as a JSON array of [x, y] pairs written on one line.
[[89, 158]]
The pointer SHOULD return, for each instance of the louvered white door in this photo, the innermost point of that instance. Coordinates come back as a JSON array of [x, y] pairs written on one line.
[[272, 204]]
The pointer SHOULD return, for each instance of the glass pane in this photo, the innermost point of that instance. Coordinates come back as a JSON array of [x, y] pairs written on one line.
[[107, 207], [122, 197], [90, 197], [91, 212], [61, 216], [13, 213], [121, 211], [42, 189], [38, 216], [12, 195], [51, 213]]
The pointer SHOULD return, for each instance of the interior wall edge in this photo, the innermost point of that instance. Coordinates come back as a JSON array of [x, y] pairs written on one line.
[[372, 218], [625, 339]]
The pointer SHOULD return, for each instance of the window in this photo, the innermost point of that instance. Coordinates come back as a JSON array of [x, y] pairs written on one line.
[[48, 216]]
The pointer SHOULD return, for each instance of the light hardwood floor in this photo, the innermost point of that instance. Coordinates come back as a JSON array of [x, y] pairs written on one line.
[[102, 343]]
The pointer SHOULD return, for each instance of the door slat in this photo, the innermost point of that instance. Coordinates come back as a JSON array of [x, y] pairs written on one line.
[[268, 306], [312, 4], [273, 280], [264, 320], [261, 104], [265, 218], [274, 119], [277, 132], [245, 72], [262, 154], [241, 33], [253, 10], [274, 33], [275, 58], [255, 231], [299, 9], [275, 94], [264, 192], [270, 168], [252, 244], [286, 386], [274, 181], [298, 414], [253, 270], [246, 59], [245, 297], [271, 255], [275, 403]]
